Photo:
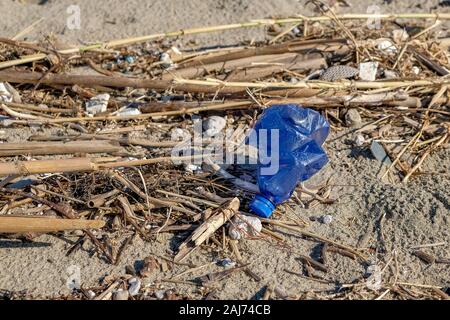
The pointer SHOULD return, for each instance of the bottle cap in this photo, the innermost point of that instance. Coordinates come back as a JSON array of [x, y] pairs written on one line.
[[262, 206]]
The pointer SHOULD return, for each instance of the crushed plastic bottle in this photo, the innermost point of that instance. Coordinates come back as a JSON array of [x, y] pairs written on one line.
[[301, 133]]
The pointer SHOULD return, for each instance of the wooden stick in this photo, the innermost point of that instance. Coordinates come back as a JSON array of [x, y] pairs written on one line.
[[206, 229], [208, 86], [14, 224], [79, 165], [250, 24], [48, 148]]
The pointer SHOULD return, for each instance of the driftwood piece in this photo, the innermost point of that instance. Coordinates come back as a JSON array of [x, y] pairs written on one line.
[[13, 224], [206, 229]]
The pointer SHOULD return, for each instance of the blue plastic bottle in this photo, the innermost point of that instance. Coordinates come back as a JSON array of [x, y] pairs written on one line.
[[301, 134]]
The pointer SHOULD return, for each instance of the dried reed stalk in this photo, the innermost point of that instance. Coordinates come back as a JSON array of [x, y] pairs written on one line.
[[250, 24], [14, 224], [49, 148]]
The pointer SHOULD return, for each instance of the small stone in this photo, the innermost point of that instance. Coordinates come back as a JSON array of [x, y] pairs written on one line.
[[121, 295], [180, 134], [296, 31], [78, 233], [327, 219], [97, 104], [191, 168], [166, 60], [368, 70], [129, 59], [293, 80], [359, 140], [129, 111], [386, 45], [379, 153], [352, 118], [227, 263], [389, 74], [130, 270], [135, 286], [415, 69], [400, 35], [243, 226], [214, 125], [160, 294], [90, 294], [5, 95], [151, 265]]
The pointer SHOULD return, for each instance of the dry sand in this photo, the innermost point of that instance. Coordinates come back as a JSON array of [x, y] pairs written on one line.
[[415, 214]]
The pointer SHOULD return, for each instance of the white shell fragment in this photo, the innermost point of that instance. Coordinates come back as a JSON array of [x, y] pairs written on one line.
[[127, 111], [243, 226], [135, 286], [214, 125], [368, 70], [5, 95], [97, 104], [190, 167], [386, 45]]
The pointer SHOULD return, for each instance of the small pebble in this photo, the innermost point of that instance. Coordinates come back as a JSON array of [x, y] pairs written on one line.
[[359, 140], [191, 168], [227, 263], [214, 125], [91, 294], [160, 294], [400, 35], [243, 226], [415, 69], [97, 104], [130, 270], [386, 46], [135, 286], [389, 74], [352, 118], [327, 219], [5, 95], [368, 70], [129, 59], [121, 294], [166, 60]]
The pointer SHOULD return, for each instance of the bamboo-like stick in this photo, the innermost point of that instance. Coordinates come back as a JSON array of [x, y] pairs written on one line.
[[14, 224], [37, 108], [221, 106], [261, 71], [210, 85], [43, 148], [284, 59], [80, 164], [299, 46], [250, 24]]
